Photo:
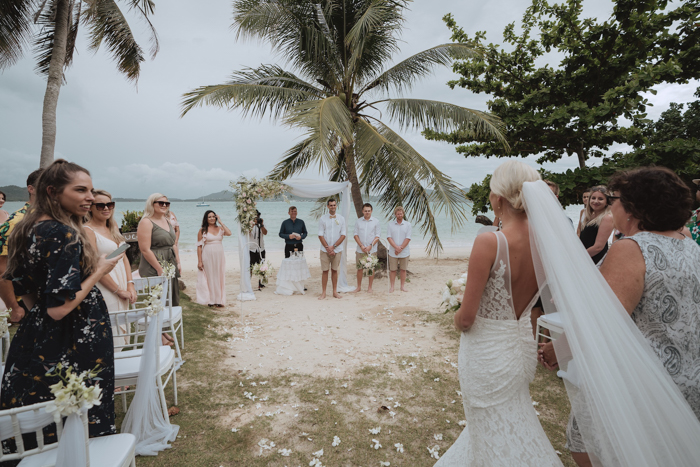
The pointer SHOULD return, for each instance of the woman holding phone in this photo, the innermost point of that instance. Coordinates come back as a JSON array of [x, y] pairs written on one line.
[[211, 262], [55, 269], [117, 287]]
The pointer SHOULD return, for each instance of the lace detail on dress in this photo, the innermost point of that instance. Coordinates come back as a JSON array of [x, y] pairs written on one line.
[[495, 301]]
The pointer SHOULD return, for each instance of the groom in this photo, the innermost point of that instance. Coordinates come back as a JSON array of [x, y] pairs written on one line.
[[331, 233]]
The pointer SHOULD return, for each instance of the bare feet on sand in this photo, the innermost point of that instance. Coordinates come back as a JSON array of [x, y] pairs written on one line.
[[404, 289], [356, 290], [323, 296], [369, 290], [391, 289], [336, 295]]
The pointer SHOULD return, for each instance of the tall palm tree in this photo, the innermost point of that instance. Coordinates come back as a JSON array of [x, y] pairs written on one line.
[[340, 50], [51, 26]]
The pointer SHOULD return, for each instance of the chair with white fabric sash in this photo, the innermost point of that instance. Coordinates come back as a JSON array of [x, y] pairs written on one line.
[[171, 316], [125, 324], [106, 451]]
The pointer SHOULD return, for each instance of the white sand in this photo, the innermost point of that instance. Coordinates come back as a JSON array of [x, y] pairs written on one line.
[[329, 337]]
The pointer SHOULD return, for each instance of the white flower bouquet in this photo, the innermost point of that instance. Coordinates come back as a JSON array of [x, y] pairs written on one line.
[[369, 263], [155, 300], [72, 394], [247, 192], [4, 322], [453, 292], [263, 270], [168, 268]]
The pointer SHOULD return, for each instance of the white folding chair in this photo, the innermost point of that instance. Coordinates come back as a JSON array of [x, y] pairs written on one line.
[[127, 362], [5, 346], [108, 451], [551, 322], [171, 316]]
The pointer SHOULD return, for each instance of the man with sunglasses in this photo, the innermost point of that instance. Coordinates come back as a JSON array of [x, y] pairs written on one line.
[[7, 293]]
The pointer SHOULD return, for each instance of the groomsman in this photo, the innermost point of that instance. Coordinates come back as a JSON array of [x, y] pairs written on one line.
[[399, 236], [293, 231], [367, 235], [331, 233]]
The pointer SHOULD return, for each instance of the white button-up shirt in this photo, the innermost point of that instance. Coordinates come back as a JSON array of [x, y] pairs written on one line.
[[367, 230], [398, 233], [256, 240], [332, 230]]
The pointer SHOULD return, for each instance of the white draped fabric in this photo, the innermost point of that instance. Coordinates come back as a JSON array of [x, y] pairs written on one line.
[[72, 451], [628, 408], [145, 418], [303, 189]]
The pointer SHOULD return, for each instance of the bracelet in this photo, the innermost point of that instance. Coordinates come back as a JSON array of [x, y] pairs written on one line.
[[115, 292], [129, 282]]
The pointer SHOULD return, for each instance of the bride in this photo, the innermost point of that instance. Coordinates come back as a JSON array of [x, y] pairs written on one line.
[[628, 408], [498, 352]]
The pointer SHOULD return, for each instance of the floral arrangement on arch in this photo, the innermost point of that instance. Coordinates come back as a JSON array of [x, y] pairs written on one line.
[[246, 193], [453, 293]]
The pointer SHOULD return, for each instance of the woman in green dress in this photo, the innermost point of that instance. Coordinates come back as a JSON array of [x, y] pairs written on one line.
[[158, 243]]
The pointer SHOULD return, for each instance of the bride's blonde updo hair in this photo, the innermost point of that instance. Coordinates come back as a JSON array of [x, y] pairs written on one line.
[[507, 181]]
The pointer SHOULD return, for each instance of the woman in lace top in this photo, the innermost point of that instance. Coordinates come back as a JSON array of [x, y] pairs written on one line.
[[654, 271]]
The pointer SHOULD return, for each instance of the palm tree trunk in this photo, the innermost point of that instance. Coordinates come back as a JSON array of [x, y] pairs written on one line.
[[355, 190], [54, 81]]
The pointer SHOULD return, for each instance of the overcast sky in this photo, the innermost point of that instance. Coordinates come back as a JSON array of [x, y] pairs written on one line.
[[134, 142]]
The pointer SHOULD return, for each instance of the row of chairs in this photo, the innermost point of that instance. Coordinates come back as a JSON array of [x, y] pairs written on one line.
[[129, 329]]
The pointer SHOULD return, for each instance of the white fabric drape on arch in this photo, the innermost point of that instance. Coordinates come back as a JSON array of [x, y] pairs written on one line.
[[629, 410], [303, 189]]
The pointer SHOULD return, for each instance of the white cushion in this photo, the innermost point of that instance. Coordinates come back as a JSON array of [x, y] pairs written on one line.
[[105, 451], [126, 364]]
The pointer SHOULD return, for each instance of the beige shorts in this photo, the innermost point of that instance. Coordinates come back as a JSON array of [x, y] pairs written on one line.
[[400, 263], [330, 262]]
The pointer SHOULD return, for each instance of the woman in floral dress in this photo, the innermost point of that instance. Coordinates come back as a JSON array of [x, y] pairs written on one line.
[[55, 269]]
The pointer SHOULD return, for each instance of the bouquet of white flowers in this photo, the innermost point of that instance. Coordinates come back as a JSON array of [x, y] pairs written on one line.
[[155, 300], [264, 270], [4, 322], [168, 269], [453, 292], [369, 263], [71, 392]]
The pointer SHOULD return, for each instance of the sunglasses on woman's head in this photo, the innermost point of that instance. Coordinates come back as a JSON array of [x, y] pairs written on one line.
[[102, 206], [162, 203]]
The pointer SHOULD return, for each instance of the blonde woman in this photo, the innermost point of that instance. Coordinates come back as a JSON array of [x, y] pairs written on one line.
[[117, 287], [597, 224], [158, 242]]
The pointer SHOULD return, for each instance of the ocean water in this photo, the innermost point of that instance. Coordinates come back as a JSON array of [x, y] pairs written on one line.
[[274, 212]]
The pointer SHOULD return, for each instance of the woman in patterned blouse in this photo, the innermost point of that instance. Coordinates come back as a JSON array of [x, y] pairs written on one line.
[[55, 269]]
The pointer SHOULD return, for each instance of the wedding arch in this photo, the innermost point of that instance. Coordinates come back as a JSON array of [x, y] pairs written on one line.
[[248, 192]]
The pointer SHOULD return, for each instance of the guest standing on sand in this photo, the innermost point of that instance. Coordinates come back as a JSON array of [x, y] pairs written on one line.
[[7, 294], [157, 242], [368, 231], [399, 236], [256, 244], [598, 224], [293, 231], [211, 261], [331, 234]]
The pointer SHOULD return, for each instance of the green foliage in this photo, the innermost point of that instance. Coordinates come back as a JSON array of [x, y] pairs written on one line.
[[575, 108], [130, 221], [340, 52], [478, 194]]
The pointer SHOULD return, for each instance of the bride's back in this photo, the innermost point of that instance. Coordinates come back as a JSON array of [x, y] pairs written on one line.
[[523, 281]]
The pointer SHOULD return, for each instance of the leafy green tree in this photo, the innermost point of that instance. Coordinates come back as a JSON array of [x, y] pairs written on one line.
[[594, 97], [340, 52], [52, 27]]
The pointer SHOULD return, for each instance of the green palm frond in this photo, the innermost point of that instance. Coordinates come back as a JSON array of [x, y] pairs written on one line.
[[403, 177], [296, 160], [73, 34], [15, 29], [406, 73], [44, 38], [107, 23], [251, 99], [146, 8], [443, 117], [272, 75], [329, 119]]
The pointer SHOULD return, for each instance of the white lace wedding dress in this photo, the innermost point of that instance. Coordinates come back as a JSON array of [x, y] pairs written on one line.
[[497, 362]]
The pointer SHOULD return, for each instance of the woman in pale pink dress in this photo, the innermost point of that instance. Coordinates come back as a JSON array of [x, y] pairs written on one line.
[[211, 289]]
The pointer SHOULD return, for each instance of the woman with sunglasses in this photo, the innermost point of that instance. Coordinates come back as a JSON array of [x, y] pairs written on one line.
[[117, 287], [158, 242], [597, 224]]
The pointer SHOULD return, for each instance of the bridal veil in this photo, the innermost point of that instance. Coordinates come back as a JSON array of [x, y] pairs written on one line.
[[629, 410]]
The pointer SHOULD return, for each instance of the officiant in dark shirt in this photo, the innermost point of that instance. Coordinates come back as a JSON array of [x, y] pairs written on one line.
[[293, 231]]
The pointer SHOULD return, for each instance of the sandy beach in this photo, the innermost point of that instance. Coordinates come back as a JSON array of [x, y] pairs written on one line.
[[333, 336]]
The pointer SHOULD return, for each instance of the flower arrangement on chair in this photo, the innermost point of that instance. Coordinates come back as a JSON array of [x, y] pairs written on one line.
[[453, 292], [263, 270], [72, 395], [369, 263], [4, 322]]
